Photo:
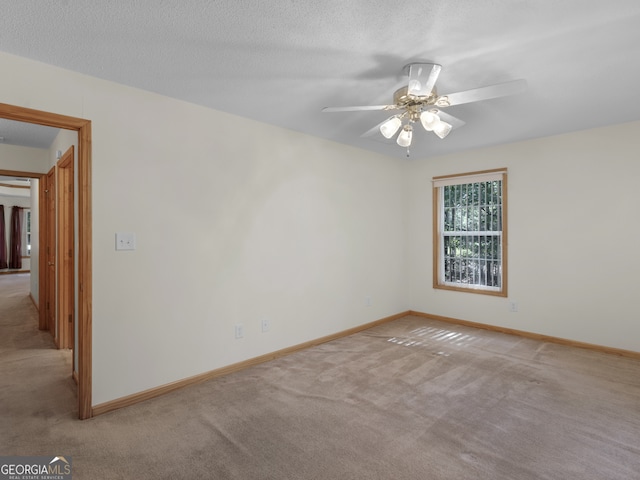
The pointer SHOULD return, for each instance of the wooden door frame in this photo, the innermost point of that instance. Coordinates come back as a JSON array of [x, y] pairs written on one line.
[[47, 298], [65, 250], [84, 341]]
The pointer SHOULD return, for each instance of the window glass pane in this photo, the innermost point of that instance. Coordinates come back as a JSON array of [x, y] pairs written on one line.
[[471, 237], [26, 232]]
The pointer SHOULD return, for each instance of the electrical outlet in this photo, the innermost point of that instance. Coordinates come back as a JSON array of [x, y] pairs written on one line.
[[239, 331], [513, 306], [367, 301], [125, 241], [266, 325]]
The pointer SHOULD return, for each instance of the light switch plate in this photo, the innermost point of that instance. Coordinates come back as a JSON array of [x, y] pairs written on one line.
[[125, 241]]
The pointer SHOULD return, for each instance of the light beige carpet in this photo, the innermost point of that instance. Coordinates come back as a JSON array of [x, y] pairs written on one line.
[[412, 399]]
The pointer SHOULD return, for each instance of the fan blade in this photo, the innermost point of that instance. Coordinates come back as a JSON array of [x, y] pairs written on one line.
[[482, 93], [360, 108], [450, 119], [422, 78]]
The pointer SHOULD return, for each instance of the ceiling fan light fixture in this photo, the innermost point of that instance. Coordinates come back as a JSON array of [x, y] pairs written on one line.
[[404, 139], [419, 100], [429, 120], [389, 128], [442, 129]]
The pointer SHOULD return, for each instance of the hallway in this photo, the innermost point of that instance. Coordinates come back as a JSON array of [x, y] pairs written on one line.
[[35, 377]]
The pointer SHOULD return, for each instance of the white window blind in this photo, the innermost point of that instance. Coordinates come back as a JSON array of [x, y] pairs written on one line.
[[470, 231]]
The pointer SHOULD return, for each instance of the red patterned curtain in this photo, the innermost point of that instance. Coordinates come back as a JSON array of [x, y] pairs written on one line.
[[3, 240], [15, 238]]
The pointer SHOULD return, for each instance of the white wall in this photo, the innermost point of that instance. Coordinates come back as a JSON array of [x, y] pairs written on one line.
[[301, 230], [283, 225], [23, 159], [573, 225]]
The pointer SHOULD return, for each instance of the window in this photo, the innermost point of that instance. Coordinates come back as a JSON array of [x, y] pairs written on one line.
[[26, 232], [470, 232]]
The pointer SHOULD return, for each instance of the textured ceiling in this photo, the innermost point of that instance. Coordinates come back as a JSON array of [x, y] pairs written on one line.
[[282, 61], [26, 134]]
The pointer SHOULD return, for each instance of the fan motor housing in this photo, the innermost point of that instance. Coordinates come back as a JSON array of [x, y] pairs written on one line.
[[402, 98]]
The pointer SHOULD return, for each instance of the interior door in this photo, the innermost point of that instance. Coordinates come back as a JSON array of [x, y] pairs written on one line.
[[50, 252], [65, 248]]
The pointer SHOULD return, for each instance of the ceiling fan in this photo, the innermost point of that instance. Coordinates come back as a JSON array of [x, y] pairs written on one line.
[[418, 101]]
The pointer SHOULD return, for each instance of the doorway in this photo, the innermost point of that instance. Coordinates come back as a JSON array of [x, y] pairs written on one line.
[[83, 338]]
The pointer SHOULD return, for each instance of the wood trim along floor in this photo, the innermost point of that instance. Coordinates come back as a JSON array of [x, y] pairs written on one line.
[[170, 387], [33, 300], [534, 336]]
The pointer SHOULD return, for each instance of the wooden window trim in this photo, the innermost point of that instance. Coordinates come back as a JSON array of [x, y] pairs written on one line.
[[436, 236]]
